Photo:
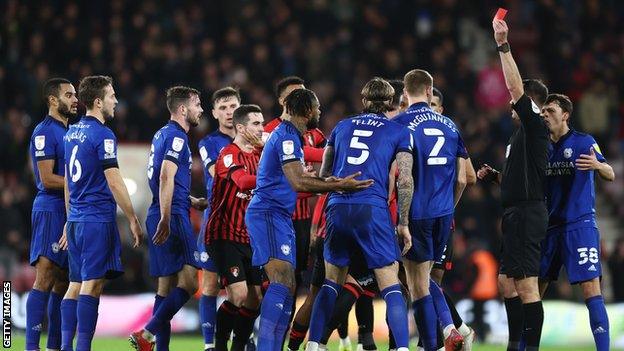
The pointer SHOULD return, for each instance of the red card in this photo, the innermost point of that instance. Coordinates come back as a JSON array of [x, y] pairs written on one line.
[[500, 14]]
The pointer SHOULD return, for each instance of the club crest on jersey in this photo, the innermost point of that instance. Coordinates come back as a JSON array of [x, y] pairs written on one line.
[[285, 249], [227, 160], [567, 153], [177, 144], [203, 257], [39, 142], [235, 271], [109, 146], [288, 146], [55, 247]]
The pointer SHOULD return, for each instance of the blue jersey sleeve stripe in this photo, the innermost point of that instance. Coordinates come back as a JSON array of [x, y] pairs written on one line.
[[404, 149], [172, 159], [46, 157], [109, 164], [291, 160]]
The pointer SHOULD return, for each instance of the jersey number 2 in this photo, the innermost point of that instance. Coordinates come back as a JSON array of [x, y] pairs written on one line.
[[433, 159], [357, 144]]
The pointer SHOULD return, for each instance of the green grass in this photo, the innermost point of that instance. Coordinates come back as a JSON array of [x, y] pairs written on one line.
[[189, 343]]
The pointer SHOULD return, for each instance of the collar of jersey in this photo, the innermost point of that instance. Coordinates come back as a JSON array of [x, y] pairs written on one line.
[[564, 137], [54, 120], [295, 128], [93, 118], [224, 135], [419, 105], [177, 125]]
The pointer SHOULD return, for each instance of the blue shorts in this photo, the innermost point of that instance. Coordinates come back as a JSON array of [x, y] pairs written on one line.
[[576, 249], [272, 236], [180, 248], [352, 227], [47, 228], [94, 251], [429, 238]]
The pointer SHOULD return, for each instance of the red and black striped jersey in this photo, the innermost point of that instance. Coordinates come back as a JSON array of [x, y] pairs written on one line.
[[318, 218], [316, 139], [235, 178]]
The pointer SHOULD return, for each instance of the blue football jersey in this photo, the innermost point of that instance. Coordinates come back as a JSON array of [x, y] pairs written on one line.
[[90, 148], [437, 145], [209, 149], [367, 143], [570, 192], [46, 143], [273, 191], [170, 143]]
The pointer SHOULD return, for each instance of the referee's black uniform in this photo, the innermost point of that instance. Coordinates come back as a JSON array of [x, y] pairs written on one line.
[[525, 216]]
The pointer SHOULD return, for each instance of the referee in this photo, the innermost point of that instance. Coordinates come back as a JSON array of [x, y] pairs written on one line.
[[525, 217]]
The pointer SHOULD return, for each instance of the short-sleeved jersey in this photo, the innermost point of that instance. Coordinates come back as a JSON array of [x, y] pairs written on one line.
[[524, 174], [209, 148], [437, 145], [570, 192], [46, 143], [90, 149], [229, 202], [170, 143], [367, 143], [273, 191]]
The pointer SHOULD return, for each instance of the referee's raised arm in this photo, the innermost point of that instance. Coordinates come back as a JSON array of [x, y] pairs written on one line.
[[513, 80]]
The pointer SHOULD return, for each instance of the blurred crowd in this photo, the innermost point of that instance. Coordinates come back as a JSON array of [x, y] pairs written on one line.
[[575, 47]]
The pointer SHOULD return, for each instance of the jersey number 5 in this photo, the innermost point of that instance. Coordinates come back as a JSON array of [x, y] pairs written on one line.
[[75, 168], [433, 159], [357, 144]]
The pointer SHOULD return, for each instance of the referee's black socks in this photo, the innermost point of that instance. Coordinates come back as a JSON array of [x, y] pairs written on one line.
[[515, 322], [533, 321]]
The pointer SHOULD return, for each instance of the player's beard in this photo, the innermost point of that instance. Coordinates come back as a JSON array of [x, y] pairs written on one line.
[[65, 111], [193, 122], [312, 123], [108, 115]]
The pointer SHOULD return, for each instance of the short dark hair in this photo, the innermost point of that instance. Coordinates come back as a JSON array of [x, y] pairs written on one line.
[[299, 102], [416, 81], [562, 100], [377, 94], [536, 90], [91, 88], [179, 95], [285, 82], [52, 87], [225, 93], [397, 85], [241, 114], [438, 93]]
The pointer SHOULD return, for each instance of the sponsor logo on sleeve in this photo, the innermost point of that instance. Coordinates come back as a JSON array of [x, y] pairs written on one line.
[[204, 154], [109, 148], [40, 142], [227, 160], [288, 147]]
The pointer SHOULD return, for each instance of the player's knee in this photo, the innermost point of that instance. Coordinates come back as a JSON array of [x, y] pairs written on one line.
[[591, 288], [61, 284], [506, 287], [73, 291], [46, 274], [92, 287], [237, 294], [285, 277], [528, 290], [210, 284]]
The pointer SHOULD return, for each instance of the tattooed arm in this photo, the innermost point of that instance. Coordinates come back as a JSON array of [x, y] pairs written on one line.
[[405, 185]]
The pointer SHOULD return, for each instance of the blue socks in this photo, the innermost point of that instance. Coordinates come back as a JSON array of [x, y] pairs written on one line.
[[271, 310], [68, 323], [442, 309], [54, 321], [396, 314], [599, 321], [87, 312], [166, 310], [162, 339], [426, 321], [208, 315], [322, 309], [35, 309], [283, 323]]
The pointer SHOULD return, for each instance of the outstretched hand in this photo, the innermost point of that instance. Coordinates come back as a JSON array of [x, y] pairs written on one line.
[[588, 162], [500, 31], [350, 184]]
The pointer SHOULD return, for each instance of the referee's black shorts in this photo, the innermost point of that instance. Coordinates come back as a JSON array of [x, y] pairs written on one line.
[[524, 227]]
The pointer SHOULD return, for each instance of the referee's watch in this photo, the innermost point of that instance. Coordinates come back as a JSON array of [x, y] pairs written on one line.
[[503, 48]]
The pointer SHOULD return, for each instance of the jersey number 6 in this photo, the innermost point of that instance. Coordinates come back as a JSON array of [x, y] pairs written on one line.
[[75, 168]]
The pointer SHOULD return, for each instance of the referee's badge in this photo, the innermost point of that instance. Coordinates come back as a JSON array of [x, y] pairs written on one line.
[[567, 153], [235, 271]]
